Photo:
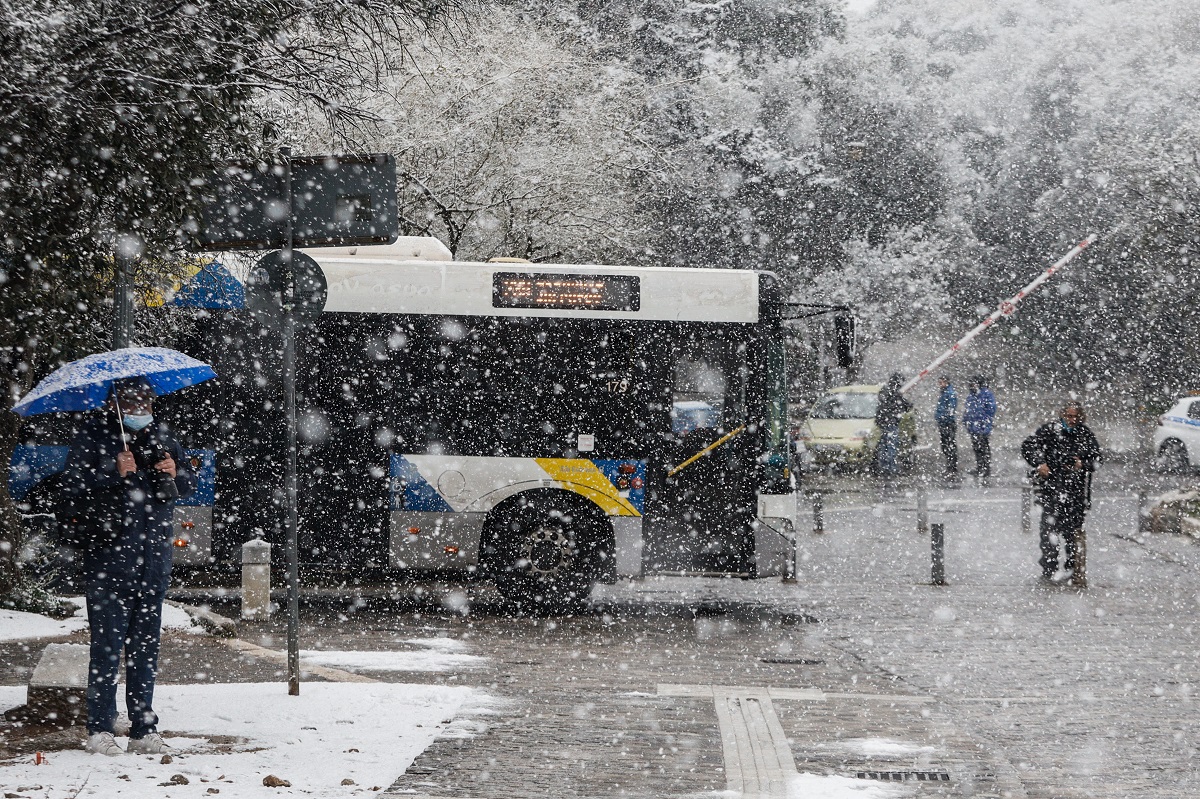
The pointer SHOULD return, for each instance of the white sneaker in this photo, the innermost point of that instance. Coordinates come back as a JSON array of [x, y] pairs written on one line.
[[102, 743], [152, 744]]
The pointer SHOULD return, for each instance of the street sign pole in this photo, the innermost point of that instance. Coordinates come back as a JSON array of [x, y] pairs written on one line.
[[344, 201], [289, 390]]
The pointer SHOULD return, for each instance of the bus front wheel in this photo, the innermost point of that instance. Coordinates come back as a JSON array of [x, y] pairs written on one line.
[[538, 555]]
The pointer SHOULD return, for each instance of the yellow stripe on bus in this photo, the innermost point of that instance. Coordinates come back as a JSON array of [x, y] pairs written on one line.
[[584, 478]]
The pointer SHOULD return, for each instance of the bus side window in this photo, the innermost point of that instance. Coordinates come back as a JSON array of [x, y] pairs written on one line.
[[698, 390]]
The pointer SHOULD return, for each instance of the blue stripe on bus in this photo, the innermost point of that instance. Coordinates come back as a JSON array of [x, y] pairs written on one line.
[[205, 463], [30, 464], [635, 482], [410, 491]]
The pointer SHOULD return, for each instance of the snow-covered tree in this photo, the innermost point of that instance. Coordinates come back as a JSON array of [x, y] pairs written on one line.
[[1050, 120], [512, 141], [737, 153], [895, 286]]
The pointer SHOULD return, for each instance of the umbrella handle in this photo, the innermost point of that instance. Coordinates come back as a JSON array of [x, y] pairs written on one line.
[[120, 422]]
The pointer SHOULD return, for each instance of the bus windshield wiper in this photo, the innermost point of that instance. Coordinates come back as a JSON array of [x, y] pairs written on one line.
[[723, 439]]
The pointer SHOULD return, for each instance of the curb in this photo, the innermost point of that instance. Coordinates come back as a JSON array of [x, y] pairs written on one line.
[[224, 629], [212, 623]]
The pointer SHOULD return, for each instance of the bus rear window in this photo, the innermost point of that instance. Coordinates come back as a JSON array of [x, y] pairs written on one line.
[[566, 292]]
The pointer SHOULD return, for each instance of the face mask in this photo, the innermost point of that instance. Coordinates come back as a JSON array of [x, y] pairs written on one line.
[[138, 421]]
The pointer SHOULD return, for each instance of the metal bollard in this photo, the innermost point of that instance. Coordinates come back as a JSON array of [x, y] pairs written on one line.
[[791, 574], [1026, 509], [256, 579], [818, 512], [938, 551], [922, 508], [1079, 579]]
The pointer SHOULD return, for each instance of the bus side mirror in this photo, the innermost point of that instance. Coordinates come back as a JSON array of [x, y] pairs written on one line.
[[844, 342]]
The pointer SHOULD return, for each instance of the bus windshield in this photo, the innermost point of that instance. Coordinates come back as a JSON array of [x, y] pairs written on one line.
[[846, 405]]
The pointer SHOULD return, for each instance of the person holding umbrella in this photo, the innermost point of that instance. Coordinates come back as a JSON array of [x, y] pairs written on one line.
[[123, 473], [129, 465]]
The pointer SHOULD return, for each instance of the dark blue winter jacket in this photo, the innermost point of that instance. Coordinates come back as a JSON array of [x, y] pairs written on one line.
[[947, 405], [979, 411], [136, 554]]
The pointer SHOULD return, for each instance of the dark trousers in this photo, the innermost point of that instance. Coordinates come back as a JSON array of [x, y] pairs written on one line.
[[948, 431], [1061, 523], [982, 444], [130, 622]]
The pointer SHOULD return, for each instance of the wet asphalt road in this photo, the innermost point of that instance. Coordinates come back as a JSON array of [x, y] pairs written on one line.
[[1004, 684]]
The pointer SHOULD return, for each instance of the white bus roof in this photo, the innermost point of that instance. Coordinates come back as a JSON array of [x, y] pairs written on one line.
[[382, 280]]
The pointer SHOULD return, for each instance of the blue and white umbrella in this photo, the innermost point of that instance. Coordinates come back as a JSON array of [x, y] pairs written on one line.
[[85, 384]]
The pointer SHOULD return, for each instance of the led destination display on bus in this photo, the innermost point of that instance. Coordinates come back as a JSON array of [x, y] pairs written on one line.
[[566, 292]]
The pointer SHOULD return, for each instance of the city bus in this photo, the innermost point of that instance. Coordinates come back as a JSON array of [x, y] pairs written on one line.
[[543, 426]]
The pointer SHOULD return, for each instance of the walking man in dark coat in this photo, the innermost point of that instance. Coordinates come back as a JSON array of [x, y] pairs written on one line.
[[130, 471], [1064, 453], [947, 424]]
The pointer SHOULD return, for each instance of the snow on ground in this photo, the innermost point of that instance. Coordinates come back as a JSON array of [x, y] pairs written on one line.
[[365, 732], [883, 747], [818, 786], [175, 618], [441, 643], [391, 660], [17, 625]]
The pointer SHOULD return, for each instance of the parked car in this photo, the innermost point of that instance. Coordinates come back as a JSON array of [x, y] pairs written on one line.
[[1177, 437], [840, 430]]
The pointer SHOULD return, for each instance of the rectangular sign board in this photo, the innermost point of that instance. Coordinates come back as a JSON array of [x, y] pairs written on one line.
[[337, 201]]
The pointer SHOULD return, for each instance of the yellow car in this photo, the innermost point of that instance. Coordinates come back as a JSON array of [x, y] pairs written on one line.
[[840, 430]]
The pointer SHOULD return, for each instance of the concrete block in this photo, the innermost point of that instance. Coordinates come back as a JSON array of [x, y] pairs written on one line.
[[58, 687]]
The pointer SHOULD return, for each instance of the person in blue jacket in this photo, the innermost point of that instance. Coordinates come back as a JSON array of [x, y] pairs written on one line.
[[129, 471], [979, 415], [947, 424]]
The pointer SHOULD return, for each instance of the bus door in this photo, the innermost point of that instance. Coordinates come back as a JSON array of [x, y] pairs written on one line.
[[342, 482], [701, 507]]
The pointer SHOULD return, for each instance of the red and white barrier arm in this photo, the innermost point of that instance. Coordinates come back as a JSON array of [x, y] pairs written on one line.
[[1007, 308]]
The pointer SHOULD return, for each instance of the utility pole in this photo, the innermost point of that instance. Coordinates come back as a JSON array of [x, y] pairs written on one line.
[[292, 521], [128, 250]]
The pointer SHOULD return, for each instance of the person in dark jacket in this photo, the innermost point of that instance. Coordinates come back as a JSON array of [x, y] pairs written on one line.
[[979, 415], [131, 471], [947, 424], [892, 405], [1064, 454]]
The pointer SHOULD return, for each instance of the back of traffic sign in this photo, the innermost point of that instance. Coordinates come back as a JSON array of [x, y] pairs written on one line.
[[336, 201], [267, 284]]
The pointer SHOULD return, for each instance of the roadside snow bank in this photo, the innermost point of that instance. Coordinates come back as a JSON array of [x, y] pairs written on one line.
[[16, 625]]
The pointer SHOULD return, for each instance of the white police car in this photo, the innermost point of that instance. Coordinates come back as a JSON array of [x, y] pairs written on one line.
[[1177, 438]]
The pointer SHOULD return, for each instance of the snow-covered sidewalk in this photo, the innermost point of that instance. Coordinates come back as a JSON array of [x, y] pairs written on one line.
[[332, 740]]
